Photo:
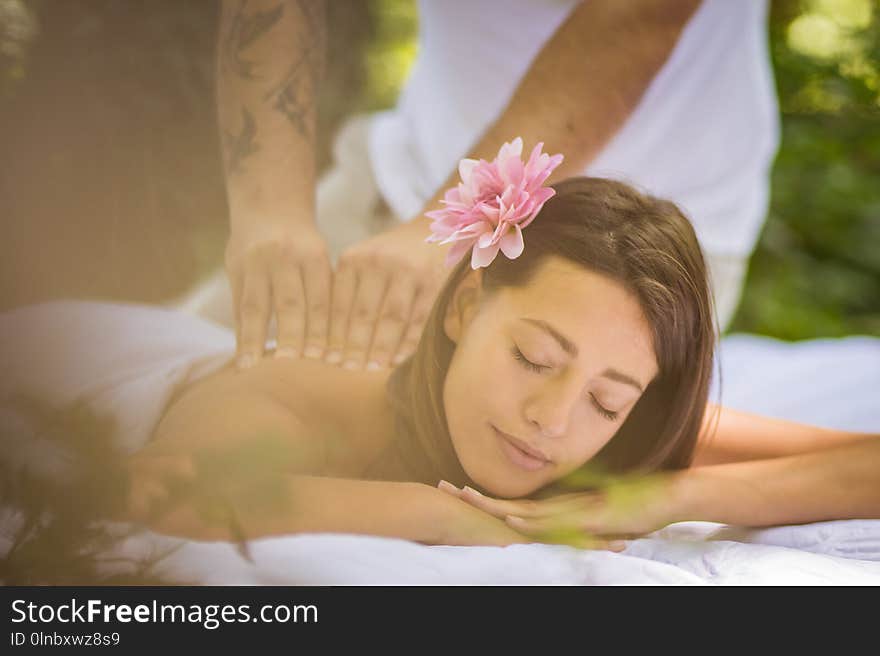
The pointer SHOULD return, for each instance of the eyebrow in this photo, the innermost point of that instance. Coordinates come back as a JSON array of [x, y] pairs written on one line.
[[571, 348]]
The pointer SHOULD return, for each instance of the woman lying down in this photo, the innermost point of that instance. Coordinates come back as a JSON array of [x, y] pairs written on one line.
[[558, 394]]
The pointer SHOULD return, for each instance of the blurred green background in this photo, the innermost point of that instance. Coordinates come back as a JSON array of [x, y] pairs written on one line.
[[108, 130]]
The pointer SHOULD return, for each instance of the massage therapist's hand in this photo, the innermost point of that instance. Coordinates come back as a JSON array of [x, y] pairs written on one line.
[[624, 508], [383, 290], [281, 269]]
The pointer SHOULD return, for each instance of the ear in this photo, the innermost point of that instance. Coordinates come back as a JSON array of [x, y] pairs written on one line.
[[463, 305]]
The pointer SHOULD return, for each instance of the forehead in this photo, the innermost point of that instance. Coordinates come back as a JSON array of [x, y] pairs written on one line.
[[595, 312]]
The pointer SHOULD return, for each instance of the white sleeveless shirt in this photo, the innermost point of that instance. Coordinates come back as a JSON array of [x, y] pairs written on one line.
[[704, 133]]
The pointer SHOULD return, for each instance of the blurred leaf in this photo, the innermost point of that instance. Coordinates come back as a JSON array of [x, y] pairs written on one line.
[[816, 269]]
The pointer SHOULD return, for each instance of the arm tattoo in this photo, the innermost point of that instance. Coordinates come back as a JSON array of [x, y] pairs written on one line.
[[296, 94], [239, 146], [243, 32], [286, 98]]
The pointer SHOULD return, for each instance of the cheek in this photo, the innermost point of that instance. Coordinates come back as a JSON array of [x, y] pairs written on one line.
[[483, 381], [598, 433], [480, 387], [466, 396]]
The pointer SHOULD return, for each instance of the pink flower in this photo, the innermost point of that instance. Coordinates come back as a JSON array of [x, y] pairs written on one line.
[[492, 204]]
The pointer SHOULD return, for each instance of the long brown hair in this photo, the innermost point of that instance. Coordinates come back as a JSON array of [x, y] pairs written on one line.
[[644, 243]]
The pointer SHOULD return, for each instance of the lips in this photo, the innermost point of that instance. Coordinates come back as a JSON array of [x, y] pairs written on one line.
[[522, 446]]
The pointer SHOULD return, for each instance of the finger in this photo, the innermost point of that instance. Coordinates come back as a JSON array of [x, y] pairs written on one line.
[[449, 488], [569, 504], [316, 276], [344, 287], [413, 332], [253, 316], [393, 320], [499, 507], [362, 321], [289, 301]]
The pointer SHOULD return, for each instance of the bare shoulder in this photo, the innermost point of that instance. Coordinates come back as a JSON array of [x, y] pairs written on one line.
[[220, 414], [315, 412]]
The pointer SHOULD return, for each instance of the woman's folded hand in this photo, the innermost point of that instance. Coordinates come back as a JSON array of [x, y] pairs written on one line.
[[597, 519], [466, 523]]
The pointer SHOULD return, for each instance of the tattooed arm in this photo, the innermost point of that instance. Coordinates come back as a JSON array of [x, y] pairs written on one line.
[[270, 60]]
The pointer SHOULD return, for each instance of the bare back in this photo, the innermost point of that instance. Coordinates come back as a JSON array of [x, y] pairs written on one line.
[[336, 420]]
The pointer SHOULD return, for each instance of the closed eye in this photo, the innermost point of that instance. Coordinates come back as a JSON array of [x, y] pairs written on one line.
[[526, 362], [611, 415]]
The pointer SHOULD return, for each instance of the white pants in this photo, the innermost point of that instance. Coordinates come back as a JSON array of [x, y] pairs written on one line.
[[348, 210]]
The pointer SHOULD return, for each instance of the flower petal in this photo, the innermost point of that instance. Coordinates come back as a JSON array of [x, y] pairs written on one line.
[[456, 251], [486, 238], [494, 201], [508, 150], [512, 242], [483, 257], [512, 170], [465, 167]]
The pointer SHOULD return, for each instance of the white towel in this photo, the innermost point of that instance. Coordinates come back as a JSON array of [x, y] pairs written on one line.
[[125, 359]]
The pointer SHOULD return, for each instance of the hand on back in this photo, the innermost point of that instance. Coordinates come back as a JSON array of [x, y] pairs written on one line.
[[369, 313]]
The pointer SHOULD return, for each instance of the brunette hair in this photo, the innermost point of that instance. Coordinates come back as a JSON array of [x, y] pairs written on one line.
[[644, 243]]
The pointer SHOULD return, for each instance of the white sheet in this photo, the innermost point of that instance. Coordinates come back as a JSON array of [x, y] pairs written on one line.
[[126, 359]]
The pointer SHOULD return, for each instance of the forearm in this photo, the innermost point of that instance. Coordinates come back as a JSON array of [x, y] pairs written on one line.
[[735, 436], [585, 82], [836, 483], [270, 59], [313, 504], [340, 505]]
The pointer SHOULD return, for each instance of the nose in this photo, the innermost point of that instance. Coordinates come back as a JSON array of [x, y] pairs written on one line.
[[552, 407]]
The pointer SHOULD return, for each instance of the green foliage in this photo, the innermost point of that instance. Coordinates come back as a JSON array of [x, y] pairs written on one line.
[[17, 28], [226, 480], [390, 53], [61, 480], [65, 491], [816, 270]]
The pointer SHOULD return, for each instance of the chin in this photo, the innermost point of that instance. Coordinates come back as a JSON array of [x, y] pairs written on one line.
[[492, 475], [504, 487]]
